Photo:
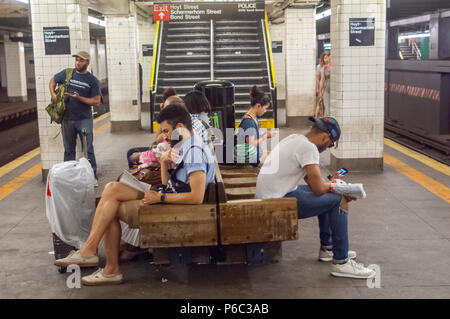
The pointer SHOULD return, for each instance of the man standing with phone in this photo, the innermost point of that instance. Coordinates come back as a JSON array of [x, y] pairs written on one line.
[[295, 158], [82, 92]]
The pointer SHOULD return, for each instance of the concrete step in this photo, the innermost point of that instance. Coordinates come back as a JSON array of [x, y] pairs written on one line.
[[238, 70], [185, 71], [184, 79], [236, 34], [190, 64], [188, 49], [190, 28], [189, 35], [236, 48], [236, 28], [187, 56], [229, 41], [188, 42], [232, 63], [252, 55]]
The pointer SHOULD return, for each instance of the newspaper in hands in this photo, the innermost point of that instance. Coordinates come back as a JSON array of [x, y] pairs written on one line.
[[128, 179]]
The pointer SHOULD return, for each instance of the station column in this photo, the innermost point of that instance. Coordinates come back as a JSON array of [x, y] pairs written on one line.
[[70, 18], [146, 37], [300, 61], [123, 71], [16, 77], [2, 66], [357, 82]]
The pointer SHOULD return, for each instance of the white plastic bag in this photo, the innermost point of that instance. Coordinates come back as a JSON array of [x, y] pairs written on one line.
[[70, 201]]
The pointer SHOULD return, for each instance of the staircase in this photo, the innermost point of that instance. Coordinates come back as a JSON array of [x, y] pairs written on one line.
[[239, 56], [185, 57], [410, 51]]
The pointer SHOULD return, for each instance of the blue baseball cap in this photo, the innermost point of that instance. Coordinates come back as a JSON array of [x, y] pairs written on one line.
[[328, 124]]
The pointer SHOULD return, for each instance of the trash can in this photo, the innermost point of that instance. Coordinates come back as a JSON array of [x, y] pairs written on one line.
[[220, 95]]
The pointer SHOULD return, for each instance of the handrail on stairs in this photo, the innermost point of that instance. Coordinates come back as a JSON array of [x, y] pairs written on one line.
[[270, 66], [155, 68]]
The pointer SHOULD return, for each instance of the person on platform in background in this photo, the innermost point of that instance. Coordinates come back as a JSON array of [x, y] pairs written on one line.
[[83, 92], [324, 88], [200, 108]]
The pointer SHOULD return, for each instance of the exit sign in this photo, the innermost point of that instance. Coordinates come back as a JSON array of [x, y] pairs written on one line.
[[161, 12]]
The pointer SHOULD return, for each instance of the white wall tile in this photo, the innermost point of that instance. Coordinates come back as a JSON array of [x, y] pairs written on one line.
[[361, 70], [58, 13]]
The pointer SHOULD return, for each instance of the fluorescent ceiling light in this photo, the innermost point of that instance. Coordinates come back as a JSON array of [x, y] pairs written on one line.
[[23, 1], [413, 36], [323, 14], [96, 21]]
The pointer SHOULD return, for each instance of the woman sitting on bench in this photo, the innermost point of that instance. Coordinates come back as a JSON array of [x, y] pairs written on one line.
[[186, 184]]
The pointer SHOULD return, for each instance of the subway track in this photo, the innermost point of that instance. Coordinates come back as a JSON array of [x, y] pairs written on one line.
[[436, 147], [18, 140], [19, 129]]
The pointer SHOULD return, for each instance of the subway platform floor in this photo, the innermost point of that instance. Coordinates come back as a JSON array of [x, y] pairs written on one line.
[[403, 226]]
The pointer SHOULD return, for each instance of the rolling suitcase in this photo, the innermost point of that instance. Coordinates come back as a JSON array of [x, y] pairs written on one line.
[[61, 248]]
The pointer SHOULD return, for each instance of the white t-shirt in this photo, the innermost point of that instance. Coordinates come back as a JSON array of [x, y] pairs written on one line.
[[284, 168]]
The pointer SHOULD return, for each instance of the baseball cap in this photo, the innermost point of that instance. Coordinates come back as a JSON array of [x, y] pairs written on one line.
[[83, 54], [328, 124]]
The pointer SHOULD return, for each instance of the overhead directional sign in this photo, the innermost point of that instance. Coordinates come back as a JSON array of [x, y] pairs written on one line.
[[196, 11], [161, 12]]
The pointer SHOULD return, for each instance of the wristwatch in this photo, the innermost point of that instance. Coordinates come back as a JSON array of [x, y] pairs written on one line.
[[163, 198]]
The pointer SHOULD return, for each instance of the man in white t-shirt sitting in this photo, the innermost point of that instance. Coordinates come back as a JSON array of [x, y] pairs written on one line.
[[295, 158]]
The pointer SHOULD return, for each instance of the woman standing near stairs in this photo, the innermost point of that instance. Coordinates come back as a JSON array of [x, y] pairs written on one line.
[[324, 89]]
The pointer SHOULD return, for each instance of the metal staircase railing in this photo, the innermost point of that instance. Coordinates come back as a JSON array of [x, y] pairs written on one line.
[[155, 70]]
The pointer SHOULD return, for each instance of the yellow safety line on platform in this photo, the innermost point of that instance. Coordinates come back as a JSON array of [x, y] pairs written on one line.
[[19, 181], [31, 173], [101, 117], [5, 169], [445, 169], [102, 128], [430, 184]]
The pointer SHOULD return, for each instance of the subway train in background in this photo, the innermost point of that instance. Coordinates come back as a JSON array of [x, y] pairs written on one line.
[[417, 77], [417, 86]]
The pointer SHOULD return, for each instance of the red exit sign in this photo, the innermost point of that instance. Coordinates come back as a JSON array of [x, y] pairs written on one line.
[[161, 12]]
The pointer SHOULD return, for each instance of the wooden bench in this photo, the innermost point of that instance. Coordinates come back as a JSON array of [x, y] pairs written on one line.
[[231, 226]]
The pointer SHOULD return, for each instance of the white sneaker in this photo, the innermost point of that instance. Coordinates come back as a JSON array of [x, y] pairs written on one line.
[[352, 269], [76, 258], [99, 278], [96, 183], [327, 255], [341, 187]]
